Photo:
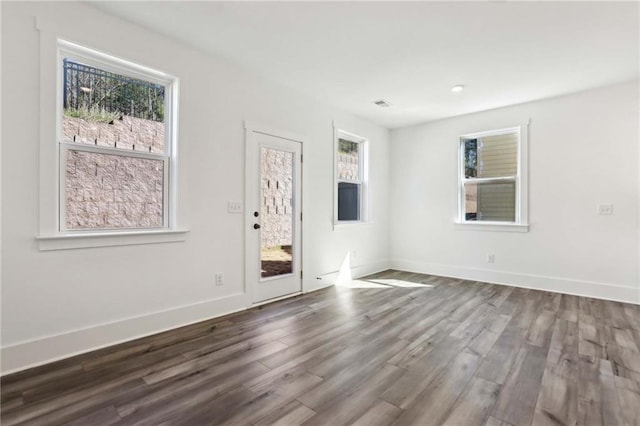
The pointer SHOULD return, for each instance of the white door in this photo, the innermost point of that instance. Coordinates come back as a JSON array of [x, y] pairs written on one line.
[[273, 215]]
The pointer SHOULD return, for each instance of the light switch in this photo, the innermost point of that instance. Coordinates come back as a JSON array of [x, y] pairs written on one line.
[[234, 207], [605, 209]]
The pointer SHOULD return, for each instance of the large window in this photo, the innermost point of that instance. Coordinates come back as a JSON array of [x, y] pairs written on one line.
[[116, 143], [491, 180], [351, 178]]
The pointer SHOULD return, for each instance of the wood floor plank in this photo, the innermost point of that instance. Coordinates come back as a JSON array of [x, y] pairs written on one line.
[[303, 345], [598, 402], [539, 333], [305, 360], [423, 344], [421, 373], [34, 381], [411, 349], [499, 362], [342, 382], [167, 340], [207, 406], [500, 297], [433, 404], [629, 403], [614, 314], [472, 325], [197, 364], [483, 342], [69, 408], [522, 305], [155, 396], [517, 401], [475, 404], [380, 414], [551, 301], [492, 421], [632, 314], [418, 328], [624, 362], [395, 322], [267, 398], [558, 398], [316, 329], [98, 377], [293, 413], [360, 399], [623, 338], [104, 417], [78, 400]]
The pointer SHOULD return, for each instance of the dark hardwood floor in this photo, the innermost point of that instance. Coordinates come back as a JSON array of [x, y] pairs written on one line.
[[418, 350]]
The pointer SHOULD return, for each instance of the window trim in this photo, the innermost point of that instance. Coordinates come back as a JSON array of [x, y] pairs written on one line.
[[363, 154], [521, 223], [52, 233]]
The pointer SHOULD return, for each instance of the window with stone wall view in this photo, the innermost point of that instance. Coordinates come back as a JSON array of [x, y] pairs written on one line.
[[112, 149]]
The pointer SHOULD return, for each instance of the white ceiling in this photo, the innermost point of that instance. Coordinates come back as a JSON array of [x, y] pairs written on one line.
[[411, 54]]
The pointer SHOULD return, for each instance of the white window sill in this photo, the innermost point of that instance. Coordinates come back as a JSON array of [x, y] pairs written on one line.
[[492, 226], [343, 226], [106, 239]]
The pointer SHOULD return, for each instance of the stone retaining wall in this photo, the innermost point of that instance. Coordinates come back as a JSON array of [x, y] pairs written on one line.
[[348, 166], [111, 191], [126, 133]]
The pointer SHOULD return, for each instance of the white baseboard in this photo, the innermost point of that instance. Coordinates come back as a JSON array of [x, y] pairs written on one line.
[[21, 356], [316, 284], [596, 290], [32, 353]]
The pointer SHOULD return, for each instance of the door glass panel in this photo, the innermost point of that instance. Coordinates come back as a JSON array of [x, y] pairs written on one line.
[[276, 217]]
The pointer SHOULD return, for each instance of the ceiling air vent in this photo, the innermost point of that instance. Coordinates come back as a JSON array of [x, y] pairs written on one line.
[[382, 103]]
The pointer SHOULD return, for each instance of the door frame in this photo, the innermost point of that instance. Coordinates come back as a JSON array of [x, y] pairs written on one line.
[[250, 128]]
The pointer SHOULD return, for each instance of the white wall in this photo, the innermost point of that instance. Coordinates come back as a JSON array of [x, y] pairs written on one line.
[[56, 303], [583, 150]]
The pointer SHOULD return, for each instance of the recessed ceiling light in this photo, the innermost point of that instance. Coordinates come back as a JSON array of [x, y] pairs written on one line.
[[458, 88]]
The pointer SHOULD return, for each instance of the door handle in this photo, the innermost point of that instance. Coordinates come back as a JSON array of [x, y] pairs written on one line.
[[256, 226]]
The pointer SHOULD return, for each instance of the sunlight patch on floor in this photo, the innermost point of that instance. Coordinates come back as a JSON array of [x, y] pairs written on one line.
[[360, 284], [380, 283], [401, 283]]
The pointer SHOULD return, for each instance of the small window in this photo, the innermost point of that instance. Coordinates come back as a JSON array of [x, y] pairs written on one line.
[[351, 178], [116, 144], [491, 184]]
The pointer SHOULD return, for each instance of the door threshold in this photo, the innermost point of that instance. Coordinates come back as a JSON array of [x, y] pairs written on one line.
[[275, 299]]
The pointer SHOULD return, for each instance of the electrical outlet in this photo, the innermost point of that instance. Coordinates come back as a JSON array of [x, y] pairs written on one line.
[[605, 209], [234, 207], [491, 258], [219, 279]]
